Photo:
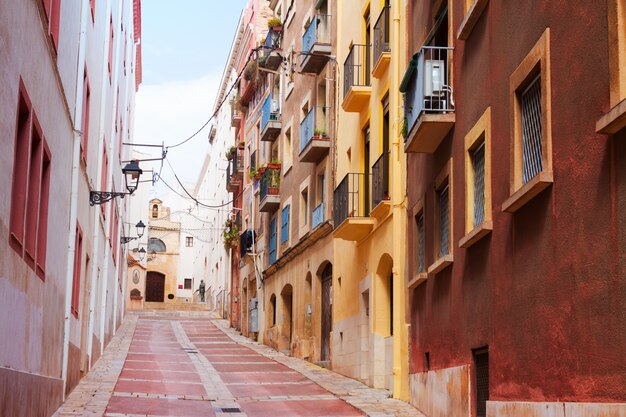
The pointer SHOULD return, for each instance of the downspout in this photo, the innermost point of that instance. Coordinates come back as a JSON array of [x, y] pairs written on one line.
[[400, 357], [71, 244]]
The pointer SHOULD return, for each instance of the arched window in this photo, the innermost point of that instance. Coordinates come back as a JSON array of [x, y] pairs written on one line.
[[156, 244], [155, 211]]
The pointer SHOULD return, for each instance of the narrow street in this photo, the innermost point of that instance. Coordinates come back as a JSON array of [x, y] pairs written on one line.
[[167, 364]]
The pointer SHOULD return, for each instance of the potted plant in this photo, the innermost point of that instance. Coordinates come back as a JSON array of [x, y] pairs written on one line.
[[235, 103], [231, 235], [275, 24], [319, 133], [230, 154], [251, 71], [275, 164], [253, 173], [241, 145]]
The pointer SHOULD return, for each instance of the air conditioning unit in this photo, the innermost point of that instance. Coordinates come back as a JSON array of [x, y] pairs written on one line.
[[434, 77]]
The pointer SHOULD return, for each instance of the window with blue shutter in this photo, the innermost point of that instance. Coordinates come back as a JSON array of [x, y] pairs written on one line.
[[284, 225], [273, 241]]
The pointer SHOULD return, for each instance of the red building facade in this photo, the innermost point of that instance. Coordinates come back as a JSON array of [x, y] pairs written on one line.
[[516, 153]]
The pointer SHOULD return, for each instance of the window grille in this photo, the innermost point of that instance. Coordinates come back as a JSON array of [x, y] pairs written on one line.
[[478, 164], [187, 284], [481, 364], [420, 242], [444, 221], [531, 130]]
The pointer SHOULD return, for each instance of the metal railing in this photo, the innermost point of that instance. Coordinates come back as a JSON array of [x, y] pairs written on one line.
[[235, 114], [313, 126], [348, 198], [317, 32], [356, 68], [269, 111], [381, 34], [430, 89], [270, 183], [318, 215], [380, 179]]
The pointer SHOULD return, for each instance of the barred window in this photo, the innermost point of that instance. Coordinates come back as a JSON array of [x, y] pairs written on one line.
[[419, 219], [530, 101], [444, 220], [478, 165]]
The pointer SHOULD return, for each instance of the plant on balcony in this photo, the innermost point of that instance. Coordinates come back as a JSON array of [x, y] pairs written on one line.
[[275, 164], [275, 24], [231, 234], [235, 103], [250, 73], [253, 173], [241, 145], [319, 133], [230, 154], [405, 128]]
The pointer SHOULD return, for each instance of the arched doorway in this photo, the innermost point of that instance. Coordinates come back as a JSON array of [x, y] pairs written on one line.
[[287, 308], [308, 306], [155, 286], [327, 312]]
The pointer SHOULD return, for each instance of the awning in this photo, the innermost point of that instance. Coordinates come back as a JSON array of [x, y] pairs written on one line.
[[410, 71]]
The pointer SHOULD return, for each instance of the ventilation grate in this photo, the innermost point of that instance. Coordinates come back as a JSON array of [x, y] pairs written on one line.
[[478, 164]]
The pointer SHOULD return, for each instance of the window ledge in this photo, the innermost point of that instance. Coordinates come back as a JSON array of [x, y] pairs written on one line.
[[441, 264], [533, 187], [471, 17], [476, 234], [613, 121], [417, 279]]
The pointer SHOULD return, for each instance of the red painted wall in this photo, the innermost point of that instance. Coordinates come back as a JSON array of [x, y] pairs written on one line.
[[546, 289]]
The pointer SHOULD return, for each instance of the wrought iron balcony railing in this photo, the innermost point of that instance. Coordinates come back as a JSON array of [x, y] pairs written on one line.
[[380, 179], [314, 126], [270, 111], [356, 68], [349, 198], [270, 183], [381, 34]]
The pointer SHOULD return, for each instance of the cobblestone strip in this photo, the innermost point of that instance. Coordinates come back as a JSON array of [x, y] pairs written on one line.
[[216, 389], [373, 402], [91, 396]]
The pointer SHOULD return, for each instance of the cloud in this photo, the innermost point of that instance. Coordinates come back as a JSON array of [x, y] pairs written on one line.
[[171, 112]]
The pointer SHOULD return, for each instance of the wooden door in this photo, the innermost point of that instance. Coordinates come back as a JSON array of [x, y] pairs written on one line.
[[155, 286], [327, 312]]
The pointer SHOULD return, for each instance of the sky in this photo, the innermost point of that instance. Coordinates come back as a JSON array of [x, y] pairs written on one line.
[[185, 45]]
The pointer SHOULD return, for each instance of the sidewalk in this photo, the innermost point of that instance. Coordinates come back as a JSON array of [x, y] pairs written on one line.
[[192, 365]]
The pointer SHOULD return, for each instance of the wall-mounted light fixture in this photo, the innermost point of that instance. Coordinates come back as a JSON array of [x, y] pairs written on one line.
[[140, 229], [131, 176]]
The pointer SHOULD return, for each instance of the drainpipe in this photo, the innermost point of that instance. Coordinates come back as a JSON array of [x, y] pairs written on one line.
[[400, 361], [71, 244]]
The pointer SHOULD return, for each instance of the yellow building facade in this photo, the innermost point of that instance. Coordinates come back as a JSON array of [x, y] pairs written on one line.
[[370, 332]]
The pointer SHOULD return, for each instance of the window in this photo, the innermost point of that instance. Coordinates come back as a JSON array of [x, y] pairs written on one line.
[[272, 254], [443, 220], [28, 224], [189, 241], [304, 207], [481, 375], [52, 9], [473, 11], [531, 141], [284, 224], [188, 284], [478, 220], [155, 211], [156, 244], [104, 173], [78, 253], [287, 150], [419, 242], [84, 138], [111, 35]]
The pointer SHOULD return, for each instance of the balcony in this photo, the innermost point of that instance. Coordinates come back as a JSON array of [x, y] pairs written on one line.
[[236, 115], [314, 139], [428, 99], [246, 242], [234, 175], [357, 86], [249, 82], [316, 46], [270, 189], [382, 48], [380, 187], [270, 119], [318, 215], [350, 217], [271, 57]]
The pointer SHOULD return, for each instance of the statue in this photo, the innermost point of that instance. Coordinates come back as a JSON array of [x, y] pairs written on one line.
[[200, 290]]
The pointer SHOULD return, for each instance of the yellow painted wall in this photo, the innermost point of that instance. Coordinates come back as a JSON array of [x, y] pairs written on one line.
[[386, 244]]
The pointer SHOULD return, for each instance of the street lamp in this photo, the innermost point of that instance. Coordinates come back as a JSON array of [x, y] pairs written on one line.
[[140, 229], [142, 253], [131, 177], [152, 255]]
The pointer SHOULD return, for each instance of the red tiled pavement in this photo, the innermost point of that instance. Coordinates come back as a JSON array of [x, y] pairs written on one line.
[[152, 387], [160, 357], [335, 408], [157, 375], [255, 378], [236, 358], [162, 366], [160, 407], [261, 390], [250, 367]]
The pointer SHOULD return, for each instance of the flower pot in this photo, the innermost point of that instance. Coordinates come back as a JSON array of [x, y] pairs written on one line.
[[273, 166]]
